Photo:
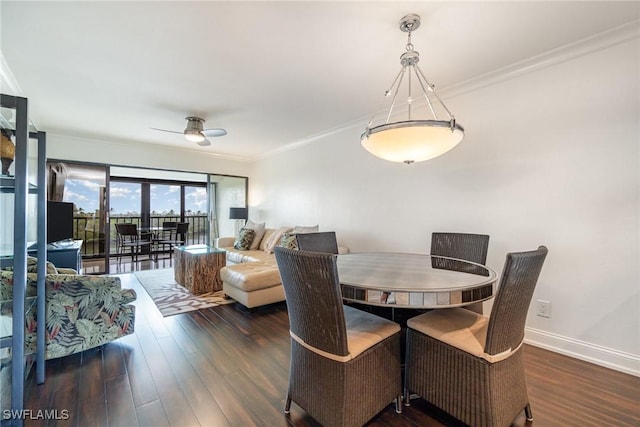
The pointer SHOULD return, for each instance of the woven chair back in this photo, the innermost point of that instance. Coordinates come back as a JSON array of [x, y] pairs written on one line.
[[469, 247], [509, 313], [324, 241], [314, 299]]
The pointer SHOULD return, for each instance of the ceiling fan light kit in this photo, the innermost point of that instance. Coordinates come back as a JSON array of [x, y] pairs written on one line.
[[194, 131], [408, 141]]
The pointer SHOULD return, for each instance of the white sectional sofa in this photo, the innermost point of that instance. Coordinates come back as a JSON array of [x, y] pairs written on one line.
[[251, 277]]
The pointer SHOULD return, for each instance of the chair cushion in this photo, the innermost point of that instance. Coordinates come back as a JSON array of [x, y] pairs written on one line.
[[364, 330], [459, 328]]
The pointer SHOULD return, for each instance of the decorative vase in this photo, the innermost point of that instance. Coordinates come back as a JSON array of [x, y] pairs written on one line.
[[7, 153]]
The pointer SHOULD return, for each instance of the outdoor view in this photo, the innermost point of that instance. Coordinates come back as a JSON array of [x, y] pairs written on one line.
[[126, 200]]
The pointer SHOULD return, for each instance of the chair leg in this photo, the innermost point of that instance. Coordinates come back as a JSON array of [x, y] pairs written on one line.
[[527, 412], [398, 402], [287, 405], [407, 397]]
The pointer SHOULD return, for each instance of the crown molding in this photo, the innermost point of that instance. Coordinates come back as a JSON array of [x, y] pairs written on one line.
[[588, 45]]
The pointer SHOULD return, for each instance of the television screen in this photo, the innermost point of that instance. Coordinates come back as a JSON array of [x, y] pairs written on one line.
[[59, 221]]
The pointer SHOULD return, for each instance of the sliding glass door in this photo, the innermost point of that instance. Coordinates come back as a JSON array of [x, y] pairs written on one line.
[[104, 195], [84, 186], [151, 202]]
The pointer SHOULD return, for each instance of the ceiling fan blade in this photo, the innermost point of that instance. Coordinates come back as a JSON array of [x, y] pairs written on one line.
[[165, 130], [214, 132], [204, 142]]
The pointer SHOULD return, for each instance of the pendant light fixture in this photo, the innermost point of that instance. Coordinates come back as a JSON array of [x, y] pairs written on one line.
[[412, 140]]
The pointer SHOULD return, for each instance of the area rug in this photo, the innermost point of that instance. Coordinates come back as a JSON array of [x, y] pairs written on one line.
[[171, 298]]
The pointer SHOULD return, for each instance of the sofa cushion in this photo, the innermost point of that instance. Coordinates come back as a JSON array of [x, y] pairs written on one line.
[[237, 257], [306, 229], [243, 242], [274, 239], [259, 228], [234, 255]]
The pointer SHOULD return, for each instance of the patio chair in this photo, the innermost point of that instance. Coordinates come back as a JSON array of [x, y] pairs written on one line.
[[178, 238], [470, 365], [129, 241], [164, 233], [345, 363]]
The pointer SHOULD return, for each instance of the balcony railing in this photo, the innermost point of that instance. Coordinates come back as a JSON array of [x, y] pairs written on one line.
[[88, 229]]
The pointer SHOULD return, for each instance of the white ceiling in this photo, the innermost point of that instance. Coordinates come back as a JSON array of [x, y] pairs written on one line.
[[271, 73]]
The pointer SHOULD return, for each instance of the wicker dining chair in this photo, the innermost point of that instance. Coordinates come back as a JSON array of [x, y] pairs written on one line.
[[469, 365], [345, 363], [324, 241], [465, 246]]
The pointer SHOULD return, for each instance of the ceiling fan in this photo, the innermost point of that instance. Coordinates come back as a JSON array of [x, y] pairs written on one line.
[[195, 131]]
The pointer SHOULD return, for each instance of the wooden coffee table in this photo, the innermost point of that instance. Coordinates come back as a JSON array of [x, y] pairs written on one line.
[[197, 267]]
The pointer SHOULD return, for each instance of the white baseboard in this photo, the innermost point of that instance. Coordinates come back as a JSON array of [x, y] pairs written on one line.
[[599, 355]]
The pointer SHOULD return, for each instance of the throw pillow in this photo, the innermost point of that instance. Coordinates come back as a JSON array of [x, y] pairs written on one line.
[[275, 238], [310, 229], [259, 228], [288, 240], [267, 233], [243, 242]]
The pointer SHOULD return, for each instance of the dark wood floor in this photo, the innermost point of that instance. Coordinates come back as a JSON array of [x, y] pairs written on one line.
[[225, 366]]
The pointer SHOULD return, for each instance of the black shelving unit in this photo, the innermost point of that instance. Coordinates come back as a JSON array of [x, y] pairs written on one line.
[[21, 191]]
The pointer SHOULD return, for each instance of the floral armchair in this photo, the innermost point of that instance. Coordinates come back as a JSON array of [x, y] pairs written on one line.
[[82, 311]]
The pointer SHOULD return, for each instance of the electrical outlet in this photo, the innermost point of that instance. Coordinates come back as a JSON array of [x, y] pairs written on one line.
[[543, 308]]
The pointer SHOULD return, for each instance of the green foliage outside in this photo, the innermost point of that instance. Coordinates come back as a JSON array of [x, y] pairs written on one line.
[[86, 227]]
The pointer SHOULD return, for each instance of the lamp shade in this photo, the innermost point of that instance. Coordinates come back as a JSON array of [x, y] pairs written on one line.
[[412, 141], [238, 213]]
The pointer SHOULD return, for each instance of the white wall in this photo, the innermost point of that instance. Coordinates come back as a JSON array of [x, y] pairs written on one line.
[[550, 157]]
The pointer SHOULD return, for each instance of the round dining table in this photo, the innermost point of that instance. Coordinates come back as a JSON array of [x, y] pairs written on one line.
[[405, 280]]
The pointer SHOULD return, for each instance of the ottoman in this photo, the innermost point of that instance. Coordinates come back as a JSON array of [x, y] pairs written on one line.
[[252, 283]]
